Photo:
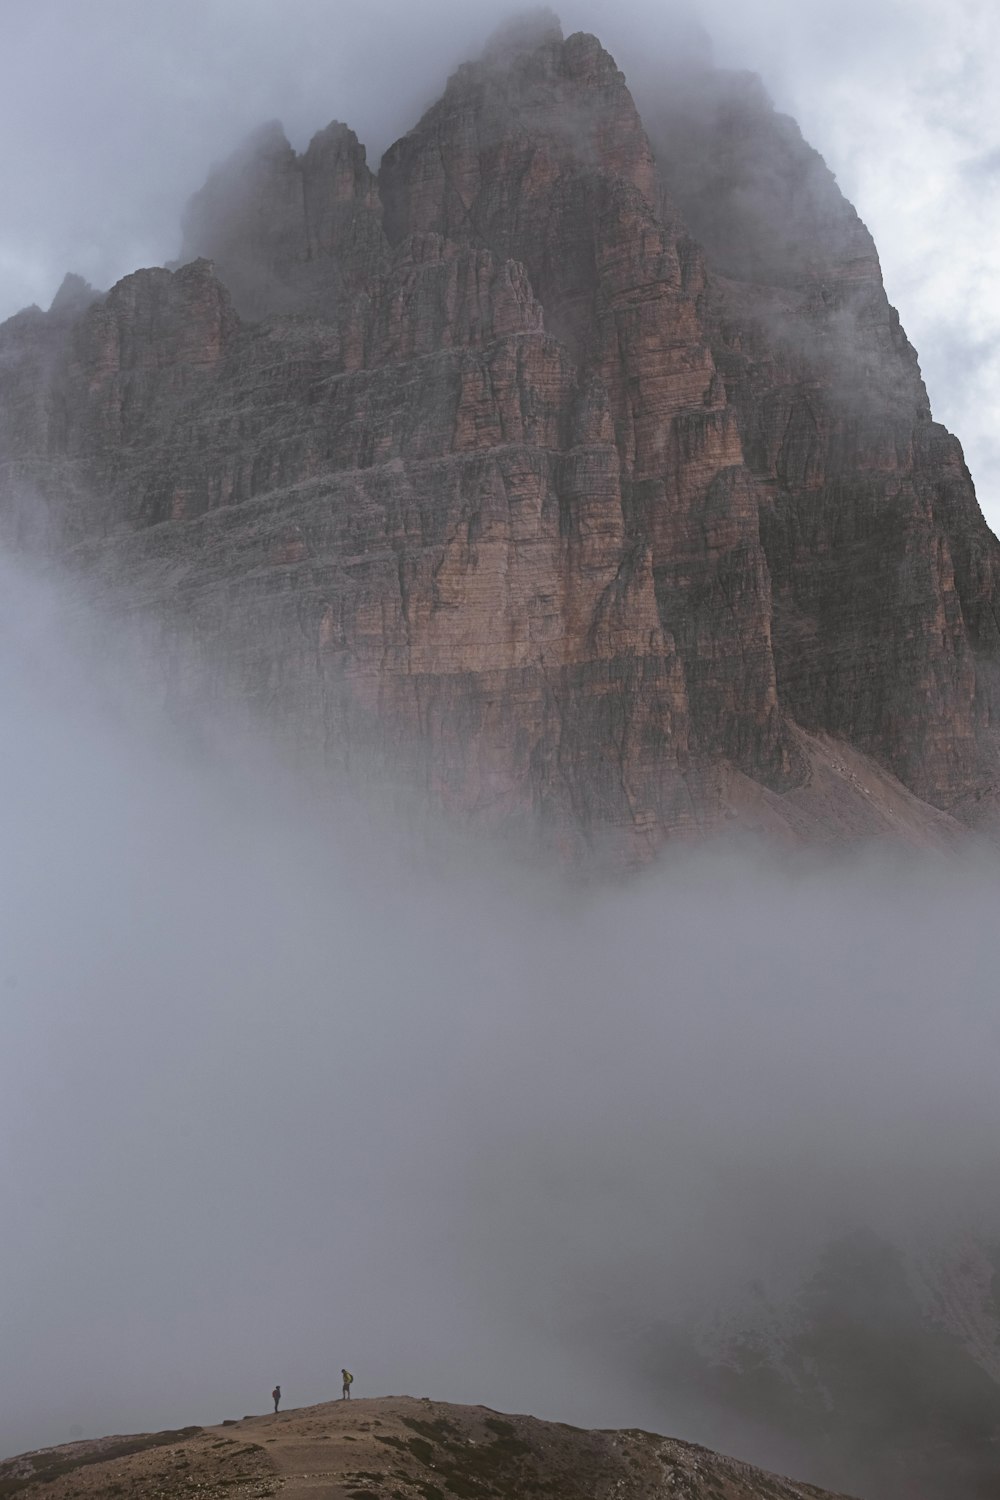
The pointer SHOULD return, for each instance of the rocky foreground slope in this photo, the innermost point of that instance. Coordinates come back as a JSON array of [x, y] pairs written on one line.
[[398, 1448], [574, 463]]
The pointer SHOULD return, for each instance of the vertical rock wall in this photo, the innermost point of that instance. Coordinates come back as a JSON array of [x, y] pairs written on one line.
[[587, 475]]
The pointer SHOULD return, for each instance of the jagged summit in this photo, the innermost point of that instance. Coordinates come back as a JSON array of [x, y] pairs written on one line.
[[73, 297], [525, 32], [573, 464], [281, 225]]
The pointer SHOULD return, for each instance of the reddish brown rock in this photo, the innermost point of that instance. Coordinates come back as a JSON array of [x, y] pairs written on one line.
[[880, 561], [591, 480], [293, 233]]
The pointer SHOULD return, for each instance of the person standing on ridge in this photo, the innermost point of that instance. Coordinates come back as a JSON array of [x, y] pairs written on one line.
[[348, 1382], [276, 1396]]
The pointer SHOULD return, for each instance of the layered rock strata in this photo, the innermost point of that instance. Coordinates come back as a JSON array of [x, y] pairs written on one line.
[[559, 464]]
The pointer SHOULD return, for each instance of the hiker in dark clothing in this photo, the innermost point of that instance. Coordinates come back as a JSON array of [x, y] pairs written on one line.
[[276, 1396], [348, 1382]]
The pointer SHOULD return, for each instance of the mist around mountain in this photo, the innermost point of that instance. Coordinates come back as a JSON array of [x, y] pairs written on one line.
[[485, 471], [194, 78], [297, 1070], [279, 1093]]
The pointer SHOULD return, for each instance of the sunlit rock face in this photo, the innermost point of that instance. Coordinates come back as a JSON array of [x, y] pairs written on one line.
[[575, 466]]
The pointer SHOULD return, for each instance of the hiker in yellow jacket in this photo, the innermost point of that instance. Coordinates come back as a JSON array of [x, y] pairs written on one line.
[[348, 1382]]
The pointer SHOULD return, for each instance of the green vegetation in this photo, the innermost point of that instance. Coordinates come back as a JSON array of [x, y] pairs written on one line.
[[464, 1468]]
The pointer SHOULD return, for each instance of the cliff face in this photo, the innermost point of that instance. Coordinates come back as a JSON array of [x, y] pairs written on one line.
[[880, 563], [585, 473]]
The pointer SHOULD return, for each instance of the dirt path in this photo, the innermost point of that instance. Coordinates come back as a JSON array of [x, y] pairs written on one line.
[[414, 1449], [324, 1452]]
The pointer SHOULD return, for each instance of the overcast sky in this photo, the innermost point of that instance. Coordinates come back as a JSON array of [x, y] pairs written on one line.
[[111, 111]]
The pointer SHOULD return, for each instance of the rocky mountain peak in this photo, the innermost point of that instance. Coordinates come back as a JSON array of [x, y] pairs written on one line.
[[588, 447], [73, 297], [514, 137], [282, 227], [525, 32]]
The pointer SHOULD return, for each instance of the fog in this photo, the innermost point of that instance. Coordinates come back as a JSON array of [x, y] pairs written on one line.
[[111, 113], [276, 1097], [281, 1088]]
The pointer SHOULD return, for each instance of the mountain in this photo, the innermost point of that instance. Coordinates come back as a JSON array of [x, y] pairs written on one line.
[[398, 1447], [573, 466]]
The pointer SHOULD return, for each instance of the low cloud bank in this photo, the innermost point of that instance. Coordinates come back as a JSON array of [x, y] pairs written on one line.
[[274, 1098]]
